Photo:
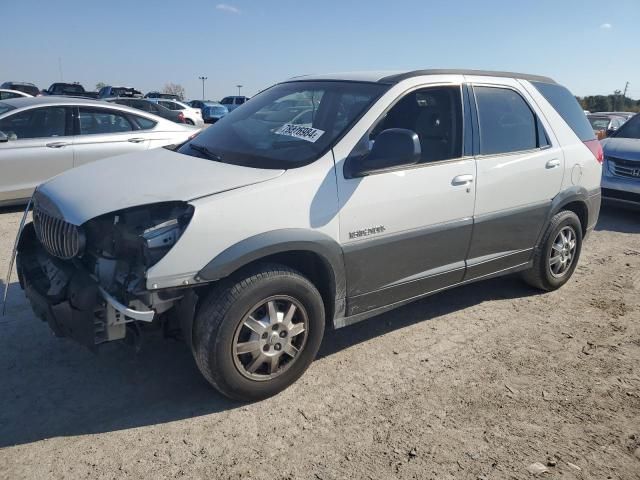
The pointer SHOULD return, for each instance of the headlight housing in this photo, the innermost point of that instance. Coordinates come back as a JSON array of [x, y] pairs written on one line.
[[139, 235]]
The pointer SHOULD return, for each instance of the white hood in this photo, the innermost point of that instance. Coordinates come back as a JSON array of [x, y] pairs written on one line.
[[158, 175]]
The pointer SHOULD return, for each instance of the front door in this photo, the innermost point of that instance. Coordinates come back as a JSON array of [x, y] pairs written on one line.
[[39, 147], [406, 232]]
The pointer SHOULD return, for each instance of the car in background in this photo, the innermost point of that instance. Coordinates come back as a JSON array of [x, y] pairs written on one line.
[[44, 136], [69, 90], [6, 94], [211, 111], [192, 116], [233, 102], [112, 92], [168, 96], [148, 106], [25, 87], [604, 125], [621, 170], [625, 115]]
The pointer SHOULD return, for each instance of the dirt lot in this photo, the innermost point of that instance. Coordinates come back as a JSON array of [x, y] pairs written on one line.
[[479, 382]]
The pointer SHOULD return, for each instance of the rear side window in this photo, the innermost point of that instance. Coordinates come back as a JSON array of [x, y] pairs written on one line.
[[507, 124], [170, 105], [96, 121], [568, 107]]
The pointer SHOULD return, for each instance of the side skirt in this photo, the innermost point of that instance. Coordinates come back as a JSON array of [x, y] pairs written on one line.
[[350, 320]]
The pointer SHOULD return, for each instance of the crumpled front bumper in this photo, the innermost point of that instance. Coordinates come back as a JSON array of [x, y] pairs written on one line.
[[68, 298]]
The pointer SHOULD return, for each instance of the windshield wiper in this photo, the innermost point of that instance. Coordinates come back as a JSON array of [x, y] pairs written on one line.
[[205, 151]]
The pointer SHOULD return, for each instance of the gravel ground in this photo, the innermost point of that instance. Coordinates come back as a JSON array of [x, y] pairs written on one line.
[[479, 382]]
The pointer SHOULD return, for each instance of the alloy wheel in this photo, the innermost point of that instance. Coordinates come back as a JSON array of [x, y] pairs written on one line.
[[270, 338], [562, 252]]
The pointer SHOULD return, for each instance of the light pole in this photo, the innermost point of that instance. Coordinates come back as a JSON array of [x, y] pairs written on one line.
[[239, 87], [203, 79]]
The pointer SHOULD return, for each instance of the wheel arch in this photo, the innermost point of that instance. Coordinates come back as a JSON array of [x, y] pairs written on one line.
[[313, 254], [575, 199]]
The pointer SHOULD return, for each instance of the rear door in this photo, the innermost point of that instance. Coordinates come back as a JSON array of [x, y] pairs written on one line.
[[520, 170], [40, 146], [104, 132]]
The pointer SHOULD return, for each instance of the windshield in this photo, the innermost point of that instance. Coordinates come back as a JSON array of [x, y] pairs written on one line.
[[4, 108], [631, 129], [286, 126]]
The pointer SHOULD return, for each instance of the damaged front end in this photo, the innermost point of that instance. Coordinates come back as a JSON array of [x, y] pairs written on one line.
[[89, 282]]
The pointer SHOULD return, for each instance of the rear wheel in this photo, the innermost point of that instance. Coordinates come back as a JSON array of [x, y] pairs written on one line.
[[258, 333], [556, 258], [188, 121]]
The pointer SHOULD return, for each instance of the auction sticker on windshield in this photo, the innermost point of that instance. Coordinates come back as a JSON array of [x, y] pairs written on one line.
[[309, 134]]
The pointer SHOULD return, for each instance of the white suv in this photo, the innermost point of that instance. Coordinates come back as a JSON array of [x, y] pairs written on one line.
[[322, 202]]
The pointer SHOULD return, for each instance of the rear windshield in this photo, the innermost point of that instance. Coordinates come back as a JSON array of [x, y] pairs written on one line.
[[568, 107], [599, 123], [631, 129], [4, 108], [30, 89], [286, 126]]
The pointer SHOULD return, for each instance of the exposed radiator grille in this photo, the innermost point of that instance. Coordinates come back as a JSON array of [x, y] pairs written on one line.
[[60, 238], [625, 168]]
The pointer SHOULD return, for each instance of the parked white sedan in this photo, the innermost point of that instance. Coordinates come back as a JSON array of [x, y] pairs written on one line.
[[43, 136], [192, 116]]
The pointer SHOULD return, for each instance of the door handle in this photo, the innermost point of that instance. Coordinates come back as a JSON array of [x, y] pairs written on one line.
[[57, 144], [553, 163], [462, 179], [136, 140]]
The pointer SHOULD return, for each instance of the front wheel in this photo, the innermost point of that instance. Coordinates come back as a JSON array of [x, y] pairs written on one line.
[[556, 258], [256, 334]]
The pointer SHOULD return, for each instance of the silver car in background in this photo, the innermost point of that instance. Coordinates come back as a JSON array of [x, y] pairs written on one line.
[[43, 136]]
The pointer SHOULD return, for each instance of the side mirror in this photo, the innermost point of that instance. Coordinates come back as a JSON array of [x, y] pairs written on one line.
[[394, 147], [3, 137]]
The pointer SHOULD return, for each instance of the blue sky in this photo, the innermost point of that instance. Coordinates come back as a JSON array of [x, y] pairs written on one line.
[[590, 46]]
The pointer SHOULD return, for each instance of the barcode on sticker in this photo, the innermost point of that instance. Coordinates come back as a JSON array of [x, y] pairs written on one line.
[[309, 134]]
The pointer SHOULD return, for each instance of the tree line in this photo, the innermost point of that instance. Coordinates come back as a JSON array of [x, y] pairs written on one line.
[[609, 103]]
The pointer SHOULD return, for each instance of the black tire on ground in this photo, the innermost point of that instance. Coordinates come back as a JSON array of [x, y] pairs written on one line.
[[221, 314], [540, 275], [188, 121]]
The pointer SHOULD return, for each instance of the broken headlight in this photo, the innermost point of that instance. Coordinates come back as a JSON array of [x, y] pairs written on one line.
[[139, 236]]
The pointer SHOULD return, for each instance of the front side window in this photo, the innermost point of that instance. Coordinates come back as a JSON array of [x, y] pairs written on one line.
[[506, 122], [227, 101], [434, 114], [36, 123], [97, 120], [264, 134]]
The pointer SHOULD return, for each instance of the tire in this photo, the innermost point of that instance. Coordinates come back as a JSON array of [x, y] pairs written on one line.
[[188, 121], [542, 274], [221, 325]]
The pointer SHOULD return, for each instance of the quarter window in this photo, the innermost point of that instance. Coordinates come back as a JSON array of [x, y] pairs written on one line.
[[507, 124], [96, 121], [35, 123], [144, 123], [434, 114]]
